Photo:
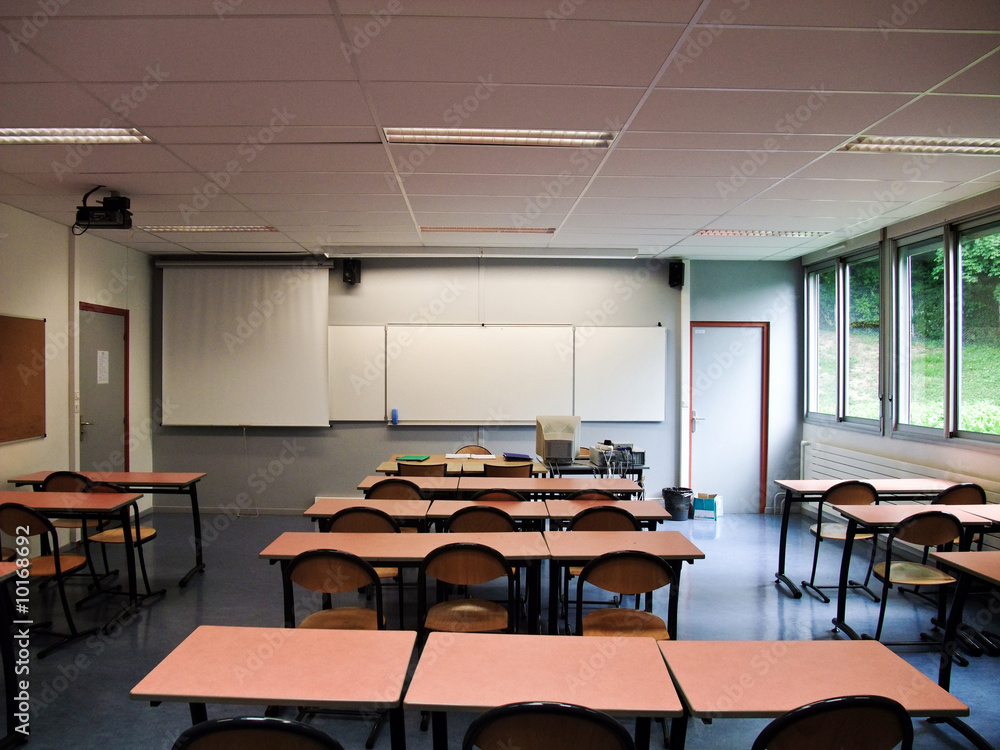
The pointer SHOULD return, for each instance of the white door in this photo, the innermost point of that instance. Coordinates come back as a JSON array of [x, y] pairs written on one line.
[[103, 388], [729, 413]]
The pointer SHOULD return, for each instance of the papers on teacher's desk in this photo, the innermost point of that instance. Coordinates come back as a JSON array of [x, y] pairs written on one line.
[[469, 456]]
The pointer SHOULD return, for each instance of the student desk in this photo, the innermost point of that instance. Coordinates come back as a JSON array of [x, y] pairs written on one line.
[[549, 485], [810, 490], [971, 567], [881, 519], [765, 679], [526, 548], [580, 547], [532, 514], [473, 672], [324, 508], [646, 512], [83, 504], [444, 486], [151, 482], [456, 466], [336, 669], [11, 737]]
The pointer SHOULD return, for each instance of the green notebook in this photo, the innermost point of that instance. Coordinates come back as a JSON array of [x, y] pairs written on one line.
[[413, 458]]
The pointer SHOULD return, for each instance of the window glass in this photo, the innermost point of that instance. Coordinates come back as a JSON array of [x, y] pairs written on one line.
[[979, 354], [822, 387], [863, 338], [921, 334]]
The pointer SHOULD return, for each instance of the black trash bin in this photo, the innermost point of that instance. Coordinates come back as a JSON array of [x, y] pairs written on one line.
[[677, 502]]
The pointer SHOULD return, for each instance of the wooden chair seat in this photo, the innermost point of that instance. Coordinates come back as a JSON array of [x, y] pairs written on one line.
[[44, 566], [117, 536], [836, 531], [466, 616], [342, 618], [913, 574], [387, 572], [75, 523], [626, 622]]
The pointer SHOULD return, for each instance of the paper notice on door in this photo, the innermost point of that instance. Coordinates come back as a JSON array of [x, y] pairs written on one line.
[[102, 368]]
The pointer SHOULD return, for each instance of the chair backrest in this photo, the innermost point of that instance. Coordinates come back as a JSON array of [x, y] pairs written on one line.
[[499, 495], [66, 481], [604, 518], [17, 520], [507, 470], [474, 450], [465, 564], [105, 487], [859, 722], [602, 495], [961, 494], [394, 489], [851, 492], [627, 572], [255, 733], [421, 469], [330, 571], [361, 519], [929, 529], [476, 518], [546, 726]]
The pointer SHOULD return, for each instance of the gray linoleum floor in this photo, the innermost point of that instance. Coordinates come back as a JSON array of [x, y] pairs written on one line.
[[80, 694]]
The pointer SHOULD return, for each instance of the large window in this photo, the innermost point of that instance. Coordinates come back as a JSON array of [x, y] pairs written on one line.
[[979, 340], [822, 296], [863, 327]]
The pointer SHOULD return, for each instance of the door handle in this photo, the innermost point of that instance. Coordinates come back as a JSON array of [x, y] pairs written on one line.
[[695, 420], [84, 424]]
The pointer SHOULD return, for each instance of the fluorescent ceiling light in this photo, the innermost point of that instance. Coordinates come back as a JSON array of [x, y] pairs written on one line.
[[71, 135], [183, 228], [757, 233], [501, 137], [915, 145], [493, 230]]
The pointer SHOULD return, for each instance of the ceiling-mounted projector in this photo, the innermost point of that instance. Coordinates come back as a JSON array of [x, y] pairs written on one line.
[[113, 213]]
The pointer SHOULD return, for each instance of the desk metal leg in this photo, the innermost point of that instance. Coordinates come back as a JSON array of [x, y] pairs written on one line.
[[642, 724], [780, 578], [397, 729], [133, 586], [555, 573], [678, 732], [840, 622], [673, 597], [199, 564], [439, 730], [198, 713]]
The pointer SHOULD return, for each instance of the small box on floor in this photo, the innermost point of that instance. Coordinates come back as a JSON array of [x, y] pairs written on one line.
[[707, 505]]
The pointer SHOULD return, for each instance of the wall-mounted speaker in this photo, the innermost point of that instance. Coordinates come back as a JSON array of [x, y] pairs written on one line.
[[675, 273], [352, 271]]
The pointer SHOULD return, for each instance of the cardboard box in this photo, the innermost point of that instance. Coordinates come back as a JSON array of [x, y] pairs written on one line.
[[707, 505]]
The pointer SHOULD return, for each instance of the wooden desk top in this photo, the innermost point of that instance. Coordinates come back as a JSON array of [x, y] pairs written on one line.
[[519, 510], [124, 478], [989, 511], [585, 545], [7, 570], [984, 565], [407, 510], [79, 502], [643, 510], [404, 548], [887, 516], [439, 484], [764, 679], [549, 484], [909, 486], [283, 666], [477, 671]]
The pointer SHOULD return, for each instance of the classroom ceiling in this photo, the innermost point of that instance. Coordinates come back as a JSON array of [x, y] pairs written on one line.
[[729, 115]]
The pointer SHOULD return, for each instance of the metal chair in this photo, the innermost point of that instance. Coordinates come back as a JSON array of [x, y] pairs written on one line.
[[254, 733], [858, 722], [478, 518], [507, 470], [71, 481], [421, 469], [474, 450], [546, 726], [394, 489], [626, 572]]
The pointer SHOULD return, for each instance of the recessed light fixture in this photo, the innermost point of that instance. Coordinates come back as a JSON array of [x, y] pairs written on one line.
[[916, 145], [492, 230], [34, 136], [757, 233], [502, 137], [206, 228]]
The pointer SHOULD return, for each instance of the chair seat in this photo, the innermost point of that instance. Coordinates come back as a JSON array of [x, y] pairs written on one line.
[[622, 621], [836, 531], [343, 618], [466, 616], [116, 536], [913, 574], [74, 523], [387, 572], [45, 565]]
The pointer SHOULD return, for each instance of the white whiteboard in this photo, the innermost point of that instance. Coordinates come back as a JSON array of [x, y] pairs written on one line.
[[620, 374], [478, 374], [356, 371]]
